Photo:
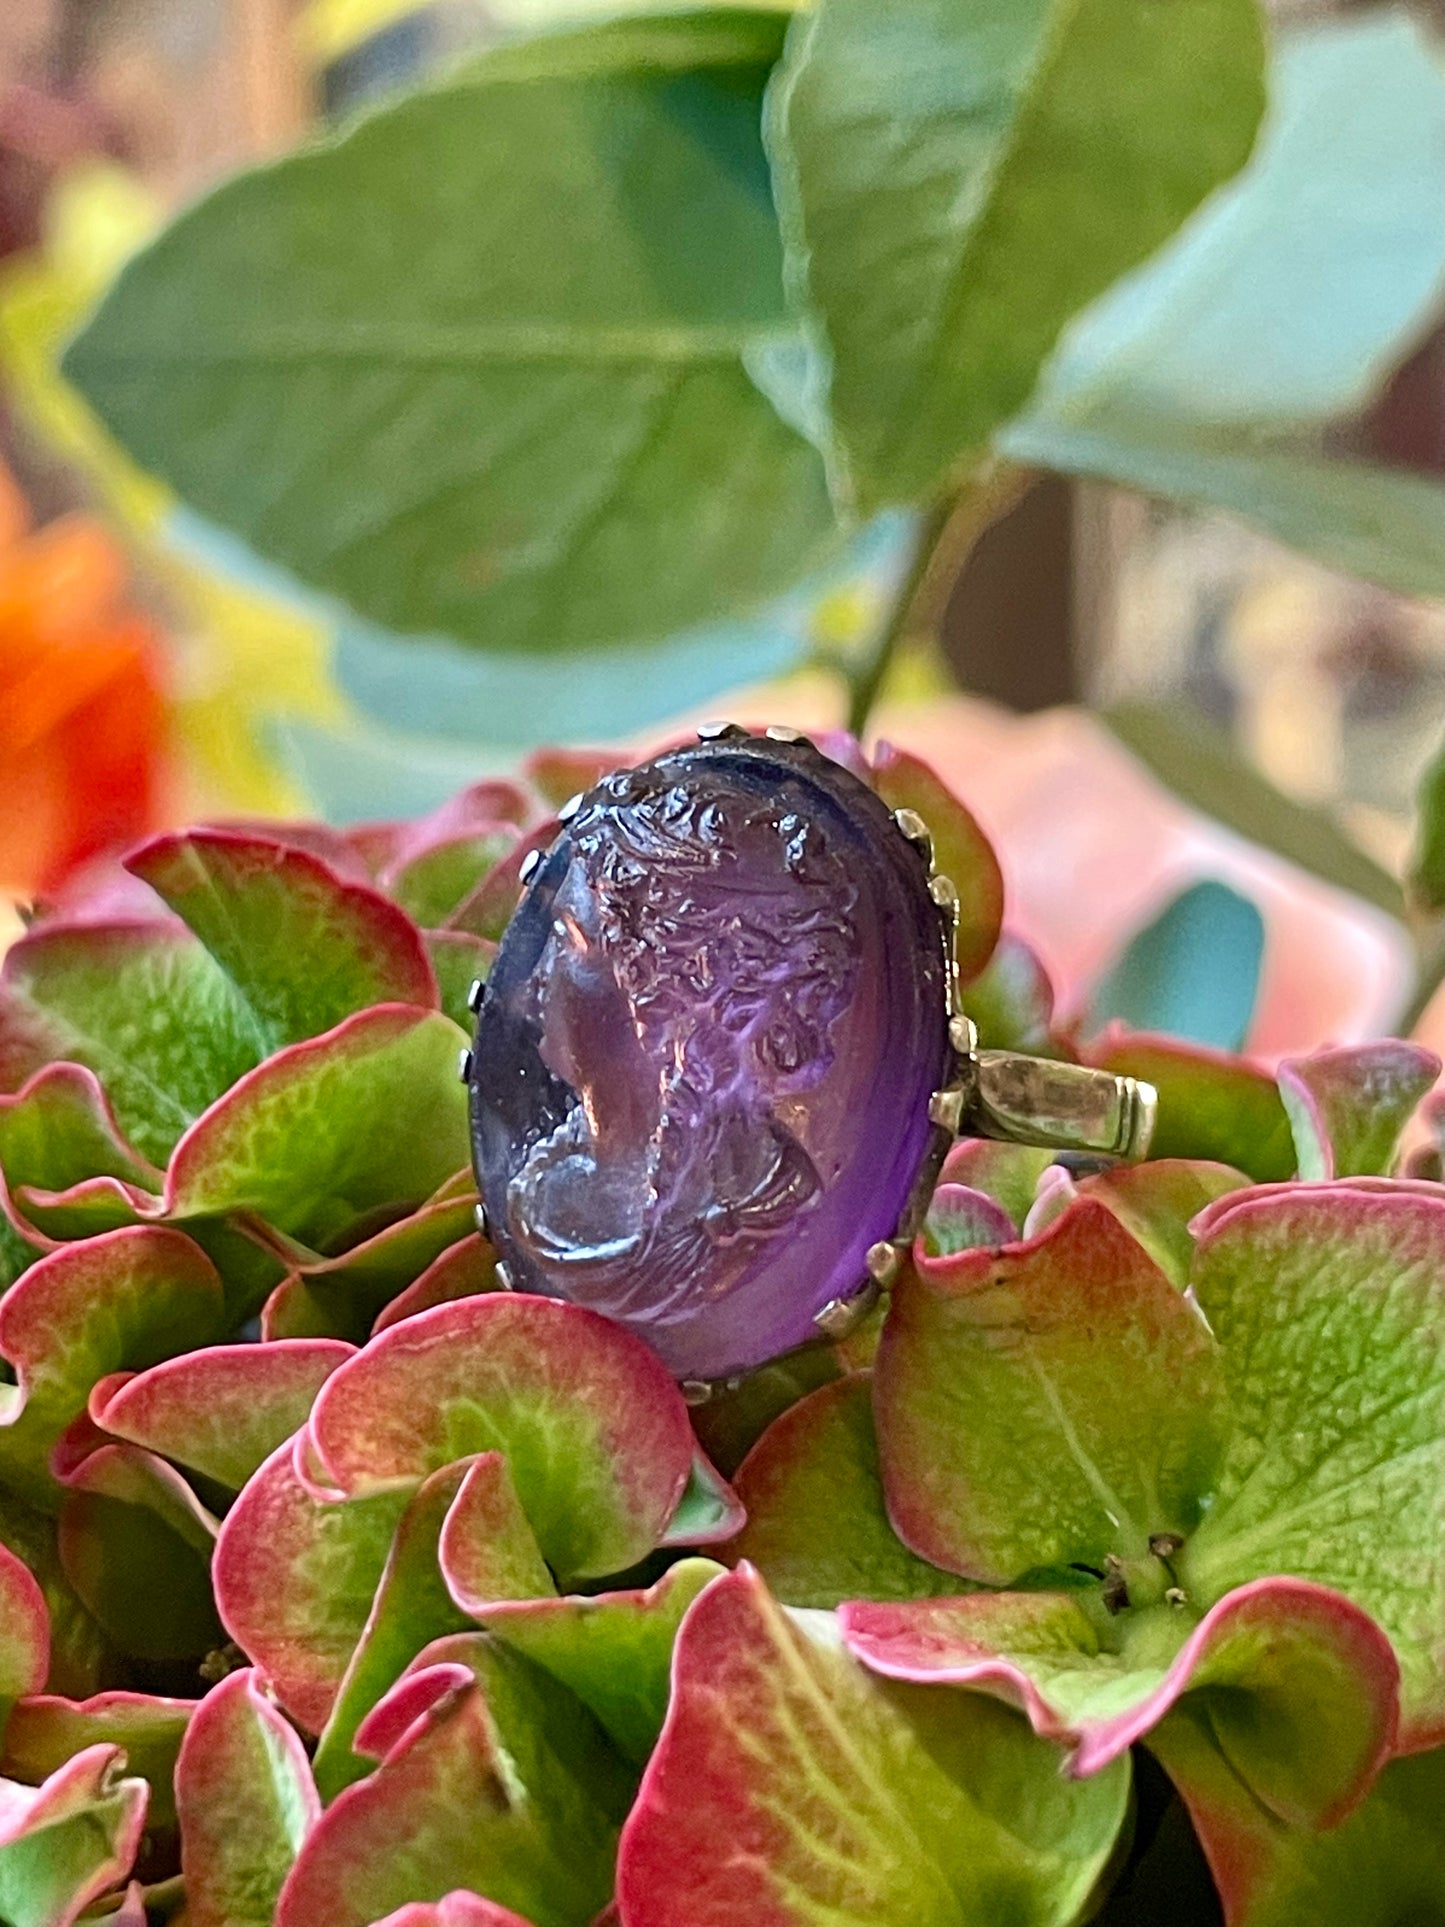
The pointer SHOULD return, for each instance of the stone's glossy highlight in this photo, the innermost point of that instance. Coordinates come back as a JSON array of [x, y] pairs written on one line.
[[703, 1064]]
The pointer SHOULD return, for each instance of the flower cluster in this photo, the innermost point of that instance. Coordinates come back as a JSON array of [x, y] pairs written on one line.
[[340, 1587]]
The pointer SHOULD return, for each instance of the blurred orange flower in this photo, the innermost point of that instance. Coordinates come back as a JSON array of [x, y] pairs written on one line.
[[82, 714]]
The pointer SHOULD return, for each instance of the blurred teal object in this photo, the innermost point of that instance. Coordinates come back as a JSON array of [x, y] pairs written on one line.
[[1193, 972]]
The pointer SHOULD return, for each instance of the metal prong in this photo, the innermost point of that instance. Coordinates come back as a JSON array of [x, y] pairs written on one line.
[[780, 733], [482, 1221], [695, 1391], [945, 1109], [841, 1317], [914, 830], [570, 808], [963, 1035], [531, 864], [944, 892], [719, 732], [503, 1276], [883, 1262], [475, 994], [464, 1066]]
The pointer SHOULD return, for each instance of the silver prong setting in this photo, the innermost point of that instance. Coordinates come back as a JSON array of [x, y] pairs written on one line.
[[912, 828], [464, 1066], [883, 1261], [476, 994], [482, 1222], [504, 1279], [570, 808], [718, 732], [695, 1391], [841, 1317], [945, 1109], [781, 733], [963, 1035], [530, 865]]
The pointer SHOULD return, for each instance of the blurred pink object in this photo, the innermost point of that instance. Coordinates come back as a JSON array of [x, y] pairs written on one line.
[[1093, 848]]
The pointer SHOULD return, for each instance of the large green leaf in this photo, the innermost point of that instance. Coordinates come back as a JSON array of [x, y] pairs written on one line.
[[956, 182], [1384, 524], [1280, 307], [1298, 287], [480, 366]]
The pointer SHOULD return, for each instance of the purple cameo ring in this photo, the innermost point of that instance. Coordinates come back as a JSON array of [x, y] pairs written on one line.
[[720, 1056]]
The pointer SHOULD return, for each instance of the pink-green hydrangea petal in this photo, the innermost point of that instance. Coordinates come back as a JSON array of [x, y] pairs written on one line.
[[295, 1578], [817, 1527], [1075, 1343], [1347, 1108], [595, 1431], [792, 1788], [246, 1802], [223, 1410], [1328, 1304], [304, 946]]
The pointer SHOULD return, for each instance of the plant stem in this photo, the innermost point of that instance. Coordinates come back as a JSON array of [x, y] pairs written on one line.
[[946, 538]]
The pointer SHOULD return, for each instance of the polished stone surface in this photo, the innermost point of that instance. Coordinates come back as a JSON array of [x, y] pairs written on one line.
[[703, 1063]]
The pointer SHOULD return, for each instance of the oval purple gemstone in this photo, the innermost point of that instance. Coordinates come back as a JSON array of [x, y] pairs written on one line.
[[703, 1063]]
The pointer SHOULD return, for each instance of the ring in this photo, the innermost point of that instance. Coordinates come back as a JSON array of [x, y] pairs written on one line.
[[720, 1056]]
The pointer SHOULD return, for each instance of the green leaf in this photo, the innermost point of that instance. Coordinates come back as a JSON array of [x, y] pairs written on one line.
[[1302, 282], [1007, 1173], [1281, 306], [59, 1130], [341, 1297], [1427, 858], [119, 1302], [1383, 524], [246, 1803], [1076, 1343], [46, 1731], [467, 366], [956, 182], [1301, 1687], [1193, 971], [960, 1219], [593, 1427], [1158, 1201], [136, 1545], [961, 851], [817, 1525], [1328, 1303], [791, 1786], [1200, 764], [221, 1410]]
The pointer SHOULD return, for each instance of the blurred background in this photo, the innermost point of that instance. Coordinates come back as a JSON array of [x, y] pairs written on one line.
[[150, 672]]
